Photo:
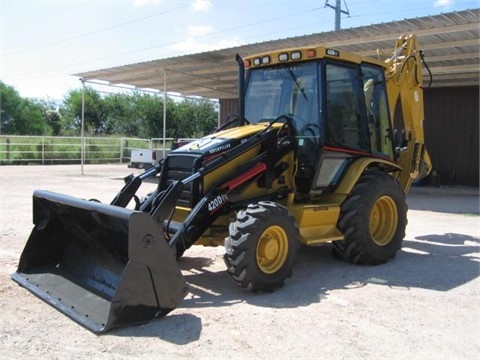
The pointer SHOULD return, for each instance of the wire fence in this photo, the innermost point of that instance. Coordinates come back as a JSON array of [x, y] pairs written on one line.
[[48, 150]]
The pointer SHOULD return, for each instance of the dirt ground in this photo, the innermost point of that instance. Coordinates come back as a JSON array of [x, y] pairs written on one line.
[[424, 304]]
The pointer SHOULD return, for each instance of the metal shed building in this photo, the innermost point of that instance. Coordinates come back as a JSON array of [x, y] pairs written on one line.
[[450, 42]]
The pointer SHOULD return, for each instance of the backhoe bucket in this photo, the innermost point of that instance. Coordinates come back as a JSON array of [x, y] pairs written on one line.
[[102, 265]]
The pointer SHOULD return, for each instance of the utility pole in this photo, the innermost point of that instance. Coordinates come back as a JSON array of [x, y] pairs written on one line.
[[338, 11]]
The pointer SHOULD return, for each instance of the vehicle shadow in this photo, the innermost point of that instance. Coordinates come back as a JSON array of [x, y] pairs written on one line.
[[178, 329], [438, 262]]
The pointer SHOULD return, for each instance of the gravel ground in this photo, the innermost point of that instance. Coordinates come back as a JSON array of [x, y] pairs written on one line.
[[424, 304]]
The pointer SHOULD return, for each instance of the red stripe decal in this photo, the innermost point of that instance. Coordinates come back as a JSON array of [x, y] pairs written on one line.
[[250, 173]]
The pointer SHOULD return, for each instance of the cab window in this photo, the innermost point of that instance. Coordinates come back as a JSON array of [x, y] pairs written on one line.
[[345, 122], [378, 115]]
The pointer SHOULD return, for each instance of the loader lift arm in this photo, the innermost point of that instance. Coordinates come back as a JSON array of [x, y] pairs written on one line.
[[132, 184]]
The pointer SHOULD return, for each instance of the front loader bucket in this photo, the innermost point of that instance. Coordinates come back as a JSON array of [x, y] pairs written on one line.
[[102, 265]]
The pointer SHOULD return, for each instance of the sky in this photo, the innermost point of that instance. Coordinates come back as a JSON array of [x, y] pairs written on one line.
[[43, 42]]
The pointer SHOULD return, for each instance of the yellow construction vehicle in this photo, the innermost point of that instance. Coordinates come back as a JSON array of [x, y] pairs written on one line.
[[312, 157]]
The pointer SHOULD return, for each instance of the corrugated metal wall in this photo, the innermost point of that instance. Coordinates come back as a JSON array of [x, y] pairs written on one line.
[[451, 132], [227, 106]]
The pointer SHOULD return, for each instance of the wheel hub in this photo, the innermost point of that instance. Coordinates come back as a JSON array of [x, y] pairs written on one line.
[[383, 220], [272, 249]]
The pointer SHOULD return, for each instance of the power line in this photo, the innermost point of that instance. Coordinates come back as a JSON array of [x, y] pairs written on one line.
[[46, 16], [167, 43], [95, 31]]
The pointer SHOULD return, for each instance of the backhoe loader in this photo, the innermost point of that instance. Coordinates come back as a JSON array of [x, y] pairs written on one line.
[[313, 156]]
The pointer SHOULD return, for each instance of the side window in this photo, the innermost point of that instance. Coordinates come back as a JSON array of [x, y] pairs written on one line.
[[345, 125], [378, 115]]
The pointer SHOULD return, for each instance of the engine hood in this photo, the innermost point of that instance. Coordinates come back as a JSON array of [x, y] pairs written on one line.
[[221, 141]]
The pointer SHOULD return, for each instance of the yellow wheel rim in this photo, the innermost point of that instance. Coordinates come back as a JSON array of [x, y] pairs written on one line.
[[383, 220], [272, 249]]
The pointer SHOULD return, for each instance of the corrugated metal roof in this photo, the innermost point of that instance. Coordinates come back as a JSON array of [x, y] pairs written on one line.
[[450, 42]]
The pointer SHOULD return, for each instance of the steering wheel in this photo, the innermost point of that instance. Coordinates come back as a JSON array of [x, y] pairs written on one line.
[[288, 128], [312, 128]]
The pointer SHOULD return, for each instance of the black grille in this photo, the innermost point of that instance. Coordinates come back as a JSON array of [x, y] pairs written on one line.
[[178, 167]]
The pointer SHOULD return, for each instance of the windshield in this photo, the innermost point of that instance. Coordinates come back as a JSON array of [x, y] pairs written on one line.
[[290, 89]]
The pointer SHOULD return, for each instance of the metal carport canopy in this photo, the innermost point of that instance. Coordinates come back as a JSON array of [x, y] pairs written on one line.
[[450, 42]]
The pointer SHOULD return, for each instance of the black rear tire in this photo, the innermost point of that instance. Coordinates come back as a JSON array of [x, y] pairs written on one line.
[[262, 246], [373, 220]]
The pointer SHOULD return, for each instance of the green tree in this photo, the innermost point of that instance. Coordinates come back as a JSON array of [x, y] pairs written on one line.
[[181, 125], [206, 117], [51, 114], [94, 113], [121, 118], [136, 114], [149, 114], [193, 118], [21, 116]]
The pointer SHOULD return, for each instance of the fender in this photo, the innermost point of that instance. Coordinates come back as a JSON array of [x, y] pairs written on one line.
[[355, 170]]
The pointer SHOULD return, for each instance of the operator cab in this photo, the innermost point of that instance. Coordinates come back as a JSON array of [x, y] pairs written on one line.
[[338, 109]]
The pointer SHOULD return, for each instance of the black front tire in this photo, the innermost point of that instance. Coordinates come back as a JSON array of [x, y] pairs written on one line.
[[262, 246], [373, 220]]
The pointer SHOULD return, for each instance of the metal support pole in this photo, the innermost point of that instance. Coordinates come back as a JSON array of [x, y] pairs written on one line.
[[164, 109], [338, 7], [43, 150], [82, 133], [121, 150]]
